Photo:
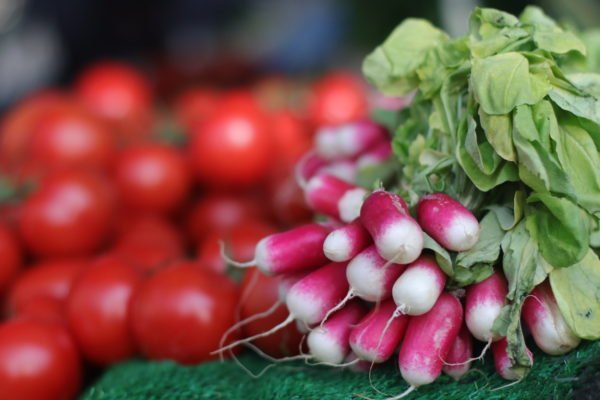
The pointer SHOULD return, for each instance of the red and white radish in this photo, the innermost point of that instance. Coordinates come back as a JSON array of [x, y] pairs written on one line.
[[371, 277], [326, 194], [344, 169], [379, 333], [375, 156], [483, 303], [313, 296], [448, 222], [326, 142], [297, 249], [286, 281], [545, 322], [357, 137], [307, 167], [396, 234], [329, 343], [418, 288], [458, 361], [428, 339], [343, 243], [504, 366]]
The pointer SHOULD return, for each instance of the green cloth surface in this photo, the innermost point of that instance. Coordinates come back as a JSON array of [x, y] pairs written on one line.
[[575, 375]]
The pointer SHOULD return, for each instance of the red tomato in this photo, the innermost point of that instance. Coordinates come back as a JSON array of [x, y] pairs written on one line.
[[121, 95], [258, 294], [337, 98], [195, 105], [43, 308], [97, 311], [240, 243], [291, 138], [181, 312], [11, 257], [70, 214], [233, 147], [71, 138], [219, 212], [18, 124], [38, 361], [148, 242], [152, 178], [47, 279]]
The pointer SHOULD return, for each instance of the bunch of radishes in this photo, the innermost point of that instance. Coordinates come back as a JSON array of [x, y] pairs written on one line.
[[362, 285]]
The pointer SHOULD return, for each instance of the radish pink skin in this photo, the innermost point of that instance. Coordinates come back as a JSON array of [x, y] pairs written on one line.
[[448, 222], [313, 296], [366, 336], [376, 155], [396, 234], [371, 277], [343, 243], [460, 352], [417, 290], [286, 281], [329, 343], [428, 339], [483, 302], [355, 138], [295, 250], [503, 364], [545, 322], [323, 193], [309, 165], [344, 169]]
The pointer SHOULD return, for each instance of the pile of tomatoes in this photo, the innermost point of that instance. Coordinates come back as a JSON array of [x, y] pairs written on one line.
[[113, 203]]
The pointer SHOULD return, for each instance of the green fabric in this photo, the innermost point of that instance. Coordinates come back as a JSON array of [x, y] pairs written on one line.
[[576, 375]]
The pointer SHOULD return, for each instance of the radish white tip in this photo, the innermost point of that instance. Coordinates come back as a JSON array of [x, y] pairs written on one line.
[[300, 179], [231, 261], [336, 246], [350, 203], [324, 347]]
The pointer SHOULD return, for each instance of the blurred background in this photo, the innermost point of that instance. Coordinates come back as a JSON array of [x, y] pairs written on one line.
[[46, 42]]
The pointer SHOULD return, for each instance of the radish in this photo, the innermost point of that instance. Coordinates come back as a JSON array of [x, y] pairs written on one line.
[[379, 333], [308, 300], [503, 364], [418, 288], [326, 142], [375, 156], [370, 277], [355, 138], [483, 303], [396, 234], [547, 325], [345, 170], [448, 222], [307, 167], [295, 250], [329, 343], [345, 242], [286, 281], [427, 341], [326, 194], [458, 360], [313, 296]]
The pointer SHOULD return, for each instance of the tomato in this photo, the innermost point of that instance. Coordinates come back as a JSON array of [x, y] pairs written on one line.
[[42, 307], [219, 212], [48, 279], [240, 243], [97, 310], [181, 312], [69, 214], [38, 361], [152, 178], [121, 95], [11, 257], [195, 105], [337, 98], [148, 242], [233, 147], [71, 138], [258, 294], [18, 124], [291, 139]]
